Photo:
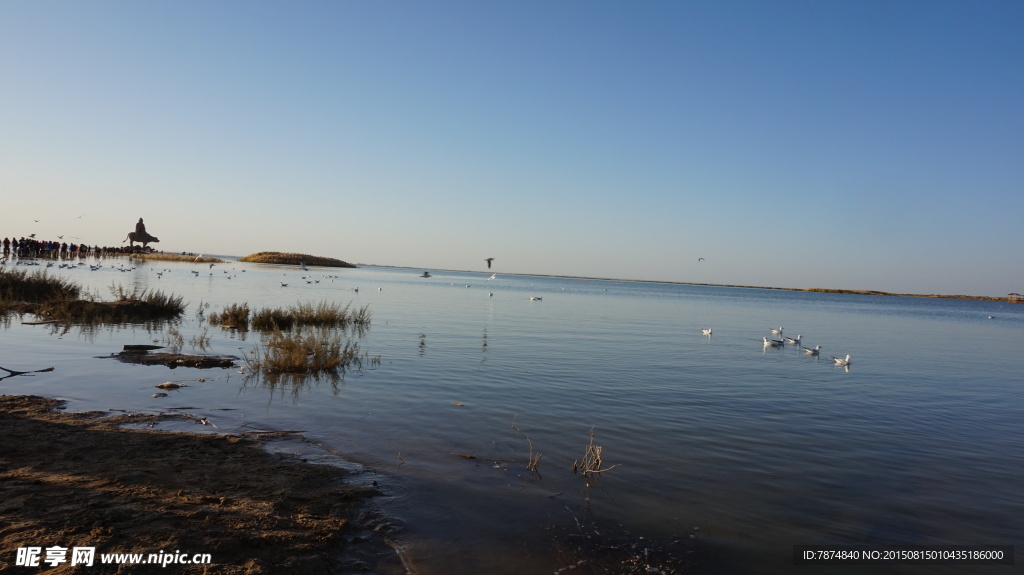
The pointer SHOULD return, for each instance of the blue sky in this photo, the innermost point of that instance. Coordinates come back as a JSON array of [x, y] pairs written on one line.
[[852, 144]]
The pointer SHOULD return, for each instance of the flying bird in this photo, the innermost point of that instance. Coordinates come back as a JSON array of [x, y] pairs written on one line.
[[489, 260], [700, 259]]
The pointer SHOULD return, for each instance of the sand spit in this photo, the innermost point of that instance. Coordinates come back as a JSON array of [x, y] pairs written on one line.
[[294, 259]]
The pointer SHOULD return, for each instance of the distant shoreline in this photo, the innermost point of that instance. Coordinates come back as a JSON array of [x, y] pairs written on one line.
[[1007, 299]]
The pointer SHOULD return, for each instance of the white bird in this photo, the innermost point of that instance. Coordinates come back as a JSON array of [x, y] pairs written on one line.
[[794, 340], [492, 277], [535, 298], [772, 342], [813, 350], [777, 331], [706, 330], [841, 361]]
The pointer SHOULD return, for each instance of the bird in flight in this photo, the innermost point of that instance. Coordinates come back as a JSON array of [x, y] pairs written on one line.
[[700, 259], [489, 260]]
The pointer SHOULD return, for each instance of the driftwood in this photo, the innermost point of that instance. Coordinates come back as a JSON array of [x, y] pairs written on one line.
[[141, 347], [12, 373], [173, 360]]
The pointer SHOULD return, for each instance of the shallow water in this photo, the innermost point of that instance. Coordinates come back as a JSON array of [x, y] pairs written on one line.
[[920, 441]]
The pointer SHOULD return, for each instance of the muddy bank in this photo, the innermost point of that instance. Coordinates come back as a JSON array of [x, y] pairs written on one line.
[[78, 479]]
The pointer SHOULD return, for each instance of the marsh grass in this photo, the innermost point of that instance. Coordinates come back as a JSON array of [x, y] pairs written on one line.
[[314, 350], [234, 316], [135, 306], [307, 314], [37, 286]]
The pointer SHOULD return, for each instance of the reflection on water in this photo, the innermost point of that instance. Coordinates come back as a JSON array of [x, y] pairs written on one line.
[[754, 449]]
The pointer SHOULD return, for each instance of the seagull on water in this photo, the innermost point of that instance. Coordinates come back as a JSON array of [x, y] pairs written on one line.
[[706, 330], [794, 340], [813, 350], [772, 342], [841, 361], [489, 260], [777, 331], [535, 298], [425, 275]]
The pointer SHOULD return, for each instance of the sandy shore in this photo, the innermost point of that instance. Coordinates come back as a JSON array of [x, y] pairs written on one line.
[[79, 479]]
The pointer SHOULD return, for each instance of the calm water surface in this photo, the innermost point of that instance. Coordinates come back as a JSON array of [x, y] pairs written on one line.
[[920, 441]]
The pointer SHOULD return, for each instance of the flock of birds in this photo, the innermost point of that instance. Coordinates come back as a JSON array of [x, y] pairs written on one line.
[[797, 341]]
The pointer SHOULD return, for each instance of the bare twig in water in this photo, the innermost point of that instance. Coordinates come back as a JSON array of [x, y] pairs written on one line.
[[532, 464], [591, 463]]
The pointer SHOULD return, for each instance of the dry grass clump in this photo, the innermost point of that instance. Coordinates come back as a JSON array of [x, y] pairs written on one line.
[[305, 314], [234, 316], [294, 259], [310, 351], [35, 286]]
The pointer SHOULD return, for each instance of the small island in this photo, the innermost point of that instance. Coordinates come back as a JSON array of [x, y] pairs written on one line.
[[294, 259]]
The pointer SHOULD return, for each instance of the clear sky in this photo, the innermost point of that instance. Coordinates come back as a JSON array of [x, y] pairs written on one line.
[[848, 144]]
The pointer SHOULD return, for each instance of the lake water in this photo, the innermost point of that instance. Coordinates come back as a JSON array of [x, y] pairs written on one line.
[[749, 450]]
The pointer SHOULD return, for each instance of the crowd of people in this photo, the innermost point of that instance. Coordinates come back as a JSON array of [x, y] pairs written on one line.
[[33, 248]]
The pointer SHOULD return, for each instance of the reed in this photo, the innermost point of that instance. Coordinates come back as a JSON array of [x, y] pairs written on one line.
[[311, 351], [129, 307], [533, 460], [201, 341], [234, 316], [37, 286], [174, 340], [307, 314]]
